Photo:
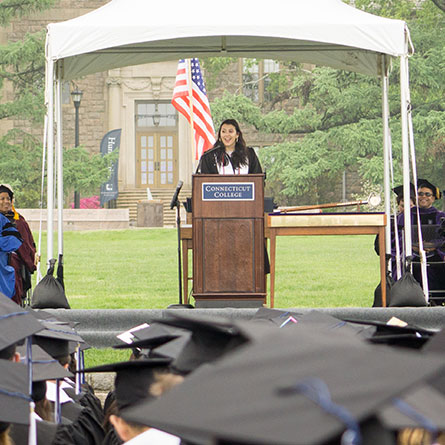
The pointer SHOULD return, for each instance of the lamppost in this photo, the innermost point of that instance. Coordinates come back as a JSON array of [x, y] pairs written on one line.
[[77, 97]]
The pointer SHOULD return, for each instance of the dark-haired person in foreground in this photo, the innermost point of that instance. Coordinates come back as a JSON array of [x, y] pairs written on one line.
[[230, 155]]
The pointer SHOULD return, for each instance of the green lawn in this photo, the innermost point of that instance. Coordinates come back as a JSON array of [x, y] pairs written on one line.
[[138, 268]]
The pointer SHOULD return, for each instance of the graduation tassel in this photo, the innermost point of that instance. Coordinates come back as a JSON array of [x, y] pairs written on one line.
[[32, 432], [57, 404], [82, 367], [29, 363], [78, 367]]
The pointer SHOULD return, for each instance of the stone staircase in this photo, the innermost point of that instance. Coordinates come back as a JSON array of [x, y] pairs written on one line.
[[130, 198]]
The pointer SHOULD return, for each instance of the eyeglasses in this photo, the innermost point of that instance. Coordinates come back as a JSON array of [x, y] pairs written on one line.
[[427, 194]]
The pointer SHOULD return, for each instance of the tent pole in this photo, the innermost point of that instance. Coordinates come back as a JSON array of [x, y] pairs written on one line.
[[59, 158], [50, 161], [405, 150], [422, 254], [386, 136]]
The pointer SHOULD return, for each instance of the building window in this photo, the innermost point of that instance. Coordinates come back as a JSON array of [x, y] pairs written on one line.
[[155, 114], [250, 79], [255, 78], [269, 66]]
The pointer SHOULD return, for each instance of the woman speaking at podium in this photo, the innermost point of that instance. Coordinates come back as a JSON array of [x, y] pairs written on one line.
[[229, 155]]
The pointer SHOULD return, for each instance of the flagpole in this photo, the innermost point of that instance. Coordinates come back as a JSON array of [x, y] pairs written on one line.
[[192, 130]]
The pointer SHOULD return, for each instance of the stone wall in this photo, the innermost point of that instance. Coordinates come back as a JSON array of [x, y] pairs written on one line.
[[80, 219]]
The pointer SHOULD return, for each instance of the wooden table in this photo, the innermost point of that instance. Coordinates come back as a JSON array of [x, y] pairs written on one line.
[[186, 245], [326, 224], [303, 224]]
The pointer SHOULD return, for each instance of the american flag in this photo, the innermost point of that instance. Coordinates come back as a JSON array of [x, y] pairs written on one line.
[[200, 109]]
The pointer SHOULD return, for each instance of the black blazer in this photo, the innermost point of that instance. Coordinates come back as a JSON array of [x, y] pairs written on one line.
[[208, 162]]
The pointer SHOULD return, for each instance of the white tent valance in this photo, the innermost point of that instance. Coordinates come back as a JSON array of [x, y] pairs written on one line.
[[131, 32]]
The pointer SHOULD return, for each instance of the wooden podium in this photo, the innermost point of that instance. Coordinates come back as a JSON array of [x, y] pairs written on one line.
[[228, 240]]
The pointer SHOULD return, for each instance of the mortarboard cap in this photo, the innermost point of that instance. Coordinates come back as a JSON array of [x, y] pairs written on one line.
[[72, 346], [275, 316], [309, 391], [46, 433], [148, 343], [397, 333], [44, 367], [425, 183], [436, 343], [152, 336], [210, 339], [171, 349], [399, 191], [6, 188], [14, 399], [320, 319], [55, 338], [420, 407], [15, 323], [133, 379]]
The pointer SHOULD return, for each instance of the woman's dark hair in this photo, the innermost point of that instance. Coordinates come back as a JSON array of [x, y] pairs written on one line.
[[239, 156], [4, 434], [45, 409], [8, 353]]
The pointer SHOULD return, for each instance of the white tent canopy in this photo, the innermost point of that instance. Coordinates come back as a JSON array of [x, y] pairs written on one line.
[[130, 32]]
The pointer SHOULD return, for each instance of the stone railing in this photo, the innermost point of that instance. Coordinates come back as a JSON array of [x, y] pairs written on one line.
[[80, 219]]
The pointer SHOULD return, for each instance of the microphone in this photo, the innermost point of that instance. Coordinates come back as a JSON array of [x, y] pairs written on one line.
[[175, 196]]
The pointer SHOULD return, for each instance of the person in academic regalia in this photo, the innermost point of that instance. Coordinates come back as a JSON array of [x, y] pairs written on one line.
[[10, 241], [393, 274], [24, 259], [429, 216], [137, 381], [400, 208], [79, 423], [230, 154]]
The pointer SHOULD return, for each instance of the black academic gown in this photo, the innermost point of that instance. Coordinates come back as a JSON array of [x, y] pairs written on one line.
[[208, 164], [87, 399], [83, 423], [436, 260], [111, 438]]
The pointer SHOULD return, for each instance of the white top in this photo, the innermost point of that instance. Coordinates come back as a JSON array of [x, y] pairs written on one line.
[[229, 170], [51, 389], [154, 437]]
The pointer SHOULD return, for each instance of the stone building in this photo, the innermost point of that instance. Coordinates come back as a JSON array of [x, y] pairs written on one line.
[[155, 149]]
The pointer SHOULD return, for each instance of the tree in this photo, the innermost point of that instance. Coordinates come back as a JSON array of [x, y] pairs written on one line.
[[85, 171], [22, 68], [337, 123]]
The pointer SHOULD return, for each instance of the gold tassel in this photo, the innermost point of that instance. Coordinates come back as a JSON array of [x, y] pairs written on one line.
[[16, 215]]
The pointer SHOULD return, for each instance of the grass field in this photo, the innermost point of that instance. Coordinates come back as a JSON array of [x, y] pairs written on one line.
[[138, 268]]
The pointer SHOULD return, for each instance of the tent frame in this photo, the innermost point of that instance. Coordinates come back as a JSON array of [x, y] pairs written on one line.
[[55, 75]]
